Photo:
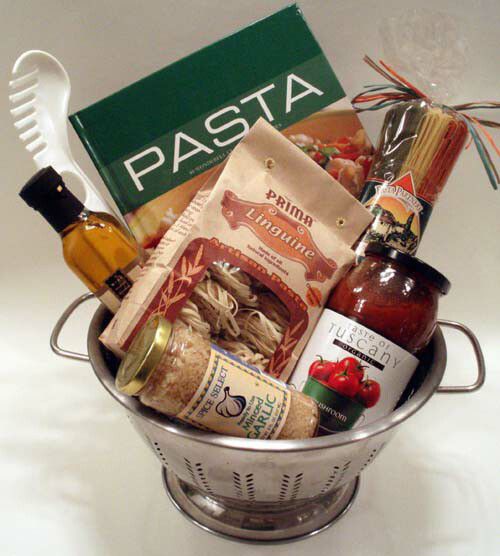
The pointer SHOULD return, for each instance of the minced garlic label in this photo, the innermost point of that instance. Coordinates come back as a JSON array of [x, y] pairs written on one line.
[[237, 399]]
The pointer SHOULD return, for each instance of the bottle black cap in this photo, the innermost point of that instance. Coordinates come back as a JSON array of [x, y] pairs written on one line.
[[434, 276], [47, 193]]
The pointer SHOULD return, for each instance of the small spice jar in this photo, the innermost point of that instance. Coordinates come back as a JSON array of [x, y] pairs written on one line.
[[377, 320], [177, 371]]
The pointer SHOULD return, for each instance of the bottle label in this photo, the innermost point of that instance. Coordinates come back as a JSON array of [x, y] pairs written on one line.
[[237, 399], [355, 374], [117, 285], [400, 215]]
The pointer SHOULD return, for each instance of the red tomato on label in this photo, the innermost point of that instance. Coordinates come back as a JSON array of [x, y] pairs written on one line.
[[345, 383], [321, 369], [369, 393], [352, 365]]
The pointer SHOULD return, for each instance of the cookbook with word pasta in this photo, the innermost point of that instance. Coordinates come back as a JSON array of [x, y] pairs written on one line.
[[156, 141], [250, 262]]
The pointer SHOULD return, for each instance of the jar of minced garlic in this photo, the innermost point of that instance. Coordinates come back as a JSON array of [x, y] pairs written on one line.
[[178, 372]]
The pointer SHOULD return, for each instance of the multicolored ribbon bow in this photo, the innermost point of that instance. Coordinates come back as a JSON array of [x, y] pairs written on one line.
[[402, 90]]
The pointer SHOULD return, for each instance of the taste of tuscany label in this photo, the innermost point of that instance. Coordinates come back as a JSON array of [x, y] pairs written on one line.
[[400, 215], [355, 374]]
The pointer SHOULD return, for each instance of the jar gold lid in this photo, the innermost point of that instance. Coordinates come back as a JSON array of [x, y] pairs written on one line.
[[143, 356]]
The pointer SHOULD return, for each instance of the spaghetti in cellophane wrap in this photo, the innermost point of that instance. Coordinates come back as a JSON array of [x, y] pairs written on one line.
[[419, 144]]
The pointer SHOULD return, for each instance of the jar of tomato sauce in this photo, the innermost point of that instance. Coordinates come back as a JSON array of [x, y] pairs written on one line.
[[364, 349]]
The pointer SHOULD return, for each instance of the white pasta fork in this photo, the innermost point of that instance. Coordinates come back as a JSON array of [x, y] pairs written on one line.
[[40, 90]]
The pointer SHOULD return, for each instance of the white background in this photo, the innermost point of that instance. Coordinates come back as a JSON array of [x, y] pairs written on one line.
[[74, 477]]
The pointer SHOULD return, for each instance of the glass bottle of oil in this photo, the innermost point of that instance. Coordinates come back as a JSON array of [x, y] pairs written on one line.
[[96, 247]]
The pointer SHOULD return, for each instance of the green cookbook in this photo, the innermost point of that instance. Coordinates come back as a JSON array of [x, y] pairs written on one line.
[[155, 141]]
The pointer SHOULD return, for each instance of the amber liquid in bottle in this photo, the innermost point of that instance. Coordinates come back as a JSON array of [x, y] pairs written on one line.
[[102, 255], [95, 245]]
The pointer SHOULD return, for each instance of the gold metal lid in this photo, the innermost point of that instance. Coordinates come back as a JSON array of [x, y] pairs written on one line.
[[143, 355]]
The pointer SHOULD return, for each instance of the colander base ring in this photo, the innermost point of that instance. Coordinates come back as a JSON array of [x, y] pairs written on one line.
[[259, 523]]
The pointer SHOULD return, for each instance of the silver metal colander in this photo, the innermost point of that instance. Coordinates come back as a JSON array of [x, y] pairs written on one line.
[[264, 490]]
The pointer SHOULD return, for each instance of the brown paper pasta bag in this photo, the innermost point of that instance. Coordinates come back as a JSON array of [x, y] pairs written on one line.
[[279, 230]]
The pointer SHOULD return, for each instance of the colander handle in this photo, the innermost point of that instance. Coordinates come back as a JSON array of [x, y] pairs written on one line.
[[478, 353], [54, 337]]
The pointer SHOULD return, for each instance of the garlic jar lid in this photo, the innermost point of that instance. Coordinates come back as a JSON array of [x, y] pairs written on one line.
[[143, 356]]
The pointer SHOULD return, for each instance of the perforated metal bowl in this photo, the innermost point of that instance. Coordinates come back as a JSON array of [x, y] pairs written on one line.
[[264, 490]]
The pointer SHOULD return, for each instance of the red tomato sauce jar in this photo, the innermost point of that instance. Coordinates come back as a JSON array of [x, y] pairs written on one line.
[[364, 349]]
